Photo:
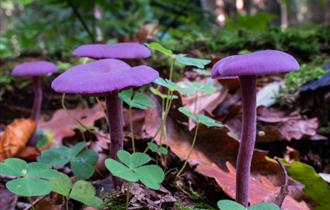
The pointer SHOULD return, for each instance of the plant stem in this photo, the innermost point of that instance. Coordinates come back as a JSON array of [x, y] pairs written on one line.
[[31, 203], [248, 136], [127, 195], [131, 127], [190, 151]]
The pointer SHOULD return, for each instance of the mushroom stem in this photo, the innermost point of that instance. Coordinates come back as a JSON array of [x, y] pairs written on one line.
[[248, 137], [37, 99], [116, 121]]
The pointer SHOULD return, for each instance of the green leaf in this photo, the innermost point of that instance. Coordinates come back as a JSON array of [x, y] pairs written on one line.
[[120, 170], [163, 150], [315, 187], [83, 166], [172, 86], [140, 100], [41, 170], [158, 47], [202, 72], [153, 147], [55, 156], [138, 159], [229, 205], [29, 187], [84, 192], [13, 167], [161, 95], [150, 175], [200, 63], [42, 139], [61, 184], [76, 149], [184, 110], [264, 206], [209, 122]]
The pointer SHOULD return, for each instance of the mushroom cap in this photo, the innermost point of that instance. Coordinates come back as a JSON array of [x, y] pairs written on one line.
[[33, 69], [256, 63], [125, 50], [103, 76]]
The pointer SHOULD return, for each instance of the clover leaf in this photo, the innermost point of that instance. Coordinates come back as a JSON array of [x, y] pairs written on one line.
[[183, 59], [200, 118], [133, 168], [140, 100], [232, 205], [161, 95], [160, 48], [172, 86], [158, 149], [202, 72], [32, 178], [82, 160]]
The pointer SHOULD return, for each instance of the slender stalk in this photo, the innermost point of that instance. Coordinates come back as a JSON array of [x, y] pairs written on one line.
[[35, 114], [31, 203], [37, 99], [116, 122], [248, 137], [131, 127], [190, 151]]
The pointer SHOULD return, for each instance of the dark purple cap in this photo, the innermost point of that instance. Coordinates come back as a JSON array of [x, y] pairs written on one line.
[[103, 76], [125, 50], [33, 69], [256, 63]]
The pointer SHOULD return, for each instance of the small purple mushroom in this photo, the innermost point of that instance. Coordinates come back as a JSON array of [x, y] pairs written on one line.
[[108, 77], [247, 67], [35, 69], [125, 50]]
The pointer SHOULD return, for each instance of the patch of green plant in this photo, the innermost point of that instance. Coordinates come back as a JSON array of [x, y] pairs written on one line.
[[306, 73], [232, 205], [315, 187], [200, 118], [157, 149], [136, 99], [133, 167], [82, 161]]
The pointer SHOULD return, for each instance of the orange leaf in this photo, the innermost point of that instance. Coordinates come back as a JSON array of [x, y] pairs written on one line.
[[15, 137]]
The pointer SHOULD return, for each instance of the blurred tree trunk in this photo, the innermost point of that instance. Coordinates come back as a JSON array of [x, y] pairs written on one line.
[[216, 7], [248, 6], [284, 13], [327, 13]]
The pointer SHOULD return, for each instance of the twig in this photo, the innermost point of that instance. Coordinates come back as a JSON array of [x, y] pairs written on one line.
[[34, 202], [284, 191]]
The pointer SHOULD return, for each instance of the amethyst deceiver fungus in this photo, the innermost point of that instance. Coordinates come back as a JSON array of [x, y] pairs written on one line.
[[124, 50], [35, 69], [247, 67], [107, 77]]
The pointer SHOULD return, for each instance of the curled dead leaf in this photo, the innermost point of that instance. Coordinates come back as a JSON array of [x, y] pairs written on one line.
[[15, 137]]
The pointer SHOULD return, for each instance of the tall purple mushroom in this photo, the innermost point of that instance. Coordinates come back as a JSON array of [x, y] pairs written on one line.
[[35, 69], [124, 50], [108, 77], [247, 67]]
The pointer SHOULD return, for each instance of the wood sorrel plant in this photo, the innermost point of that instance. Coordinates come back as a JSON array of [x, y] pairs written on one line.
[[232, 205], [168, 98]]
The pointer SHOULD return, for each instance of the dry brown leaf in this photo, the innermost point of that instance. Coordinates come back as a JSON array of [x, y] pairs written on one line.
[[15, 137], [62, 125], [28, 153], [214, 156]]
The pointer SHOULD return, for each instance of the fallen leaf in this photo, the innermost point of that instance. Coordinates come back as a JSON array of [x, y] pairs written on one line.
[[8, 199], [214, 156], [15, 137], [267, 95], [62, 124]]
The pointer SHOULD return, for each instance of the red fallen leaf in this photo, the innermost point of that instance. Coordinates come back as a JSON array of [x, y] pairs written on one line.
[[62, 125], [215, 152], [278, 126], [15, 137], [28, 153]]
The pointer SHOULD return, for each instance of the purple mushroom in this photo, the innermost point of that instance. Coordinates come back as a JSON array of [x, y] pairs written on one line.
[[108, 77], [125, 50], [247, 67], [35, 69]]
